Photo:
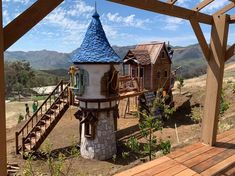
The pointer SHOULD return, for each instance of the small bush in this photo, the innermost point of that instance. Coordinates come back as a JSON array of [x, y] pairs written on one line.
[[224, 104], [165, 147], [20, 118], [196, 115], [133, 144]]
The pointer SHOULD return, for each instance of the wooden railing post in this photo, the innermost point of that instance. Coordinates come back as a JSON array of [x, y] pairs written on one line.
[[17, 142], [61, 86]]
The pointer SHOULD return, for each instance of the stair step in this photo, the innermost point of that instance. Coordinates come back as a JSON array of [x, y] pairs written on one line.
[[47, 117], [51, 111], [55, 107]]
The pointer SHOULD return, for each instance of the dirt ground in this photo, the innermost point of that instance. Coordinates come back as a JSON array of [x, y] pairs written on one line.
[[67, 130]]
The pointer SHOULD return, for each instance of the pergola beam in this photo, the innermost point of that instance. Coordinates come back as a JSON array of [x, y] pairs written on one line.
[[232, 19], [172, 2], [27, 20], [167, 9], [230, 52], [201, 38], [225, 9], [202, 5], [3, 141]]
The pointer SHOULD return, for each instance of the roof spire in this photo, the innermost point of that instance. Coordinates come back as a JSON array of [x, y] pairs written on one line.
[[95, 15], [95, 7]]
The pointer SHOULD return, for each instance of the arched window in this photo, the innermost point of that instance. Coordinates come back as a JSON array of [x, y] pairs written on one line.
[[163, 54]]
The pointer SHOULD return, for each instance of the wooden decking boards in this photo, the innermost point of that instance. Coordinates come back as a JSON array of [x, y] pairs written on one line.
[[193, 160]]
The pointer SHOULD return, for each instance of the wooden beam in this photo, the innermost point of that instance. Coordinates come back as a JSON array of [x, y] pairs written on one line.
[[215, 72], [27, 20], [3, 141], [230, 52], [167, 9], [202, 5], [225, 9], [171, 2], [232, 19], [201, 38]]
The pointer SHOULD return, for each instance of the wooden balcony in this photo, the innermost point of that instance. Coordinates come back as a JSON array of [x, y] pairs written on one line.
[[193, 160]]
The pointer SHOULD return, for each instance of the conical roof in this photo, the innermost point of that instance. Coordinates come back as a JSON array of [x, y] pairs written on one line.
[[95, 47]]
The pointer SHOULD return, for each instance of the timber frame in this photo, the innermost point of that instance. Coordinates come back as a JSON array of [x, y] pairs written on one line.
[[216, 53]]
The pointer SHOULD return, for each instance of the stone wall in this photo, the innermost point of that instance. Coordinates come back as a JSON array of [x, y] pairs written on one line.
[[103, 146]]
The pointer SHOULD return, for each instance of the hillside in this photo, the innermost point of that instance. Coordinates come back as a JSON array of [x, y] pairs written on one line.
[[190, 58]]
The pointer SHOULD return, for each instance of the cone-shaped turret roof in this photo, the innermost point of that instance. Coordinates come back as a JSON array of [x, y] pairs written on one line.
[[95, 47]]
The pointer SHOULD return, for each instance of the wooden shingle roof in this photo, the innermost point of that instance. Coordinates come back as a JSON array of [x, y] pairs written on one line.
[[146, 53]]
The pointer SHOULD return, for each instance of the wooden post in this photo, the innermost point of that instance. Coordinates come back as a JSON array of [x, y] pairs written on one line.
[[3, 151], [215, 72]]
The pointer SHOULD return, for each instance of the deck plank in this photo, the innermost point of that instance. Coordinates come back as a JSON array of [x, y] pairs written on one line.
[[158, 169], [220, 166], [186, 172], [172, 171], [143, 167], [213, 160], [228, 171], [185, 150], [205, 156]]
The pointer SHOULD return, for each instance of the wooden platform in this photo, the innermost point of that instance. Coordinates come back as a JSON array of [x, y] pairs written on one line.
[[193, 160]]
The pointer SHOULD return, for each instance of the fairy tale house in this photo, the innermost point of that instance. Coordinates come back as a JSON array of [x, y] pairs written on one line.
[[151, 63]]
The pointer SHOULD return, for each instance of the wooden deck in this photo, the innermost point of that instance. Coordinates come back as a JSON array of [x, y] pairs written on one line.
[[193, 160]]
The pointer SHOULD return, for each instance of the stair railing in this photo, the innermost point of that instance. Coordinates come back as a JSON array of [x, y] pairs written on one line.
[[34, 119], [56, 113]]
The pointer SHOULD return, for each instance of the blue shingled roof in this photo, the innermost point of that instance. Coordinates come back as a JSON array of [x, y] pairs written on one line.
[[95, 47]]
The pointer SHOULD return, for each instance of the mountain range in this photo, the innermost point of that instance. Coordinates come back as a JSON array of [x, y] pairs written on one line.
[[189, 57]]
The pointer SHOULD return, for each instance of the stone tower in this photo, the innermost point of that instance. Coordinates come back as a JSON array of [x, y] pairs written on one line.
[[96, 87]]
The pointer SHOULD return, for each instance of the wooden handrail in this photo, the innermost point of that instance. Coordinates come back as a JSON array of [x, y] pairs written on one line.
[[61, 93], [26, 133], [31, 118]]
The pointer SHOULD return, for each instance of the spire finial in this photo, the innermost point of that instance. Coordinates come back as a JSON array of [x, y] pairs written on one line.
[[95, 7], [95, 15]]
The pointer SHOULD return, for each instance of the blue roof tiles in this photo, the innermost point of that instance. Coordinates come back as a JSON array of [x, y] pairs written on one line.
[[95, 47]]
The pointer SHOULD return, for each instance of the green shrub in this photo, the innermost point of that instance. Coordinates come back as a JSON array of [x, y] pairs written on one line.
[[224, 104], [165, 147], [196, 114], [20, 118], [133, 144]]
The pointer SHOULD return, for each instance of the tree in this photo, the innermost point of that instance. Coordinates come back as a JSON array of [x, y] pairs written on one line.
[[180, 84], [19, 76], [153, 121]]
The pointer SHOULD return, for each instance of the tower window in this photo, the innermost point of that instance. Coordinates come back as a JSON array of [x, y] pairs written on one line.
[[165, 74]]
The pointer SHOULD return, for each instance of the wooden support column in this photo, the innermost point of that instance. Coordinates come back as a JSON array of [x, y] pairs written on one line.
[[215, 72], [3, 151]]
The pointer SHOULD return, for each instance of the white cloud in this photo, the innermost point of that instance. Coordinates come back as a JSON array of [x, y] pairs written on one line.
[[80, 8], [130, 20], [172, 23], [25, 2], [215, 5]]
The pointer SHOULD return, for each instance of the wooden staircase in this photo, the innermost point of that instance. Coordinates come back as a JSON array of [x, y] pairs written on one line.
[[38, 127]]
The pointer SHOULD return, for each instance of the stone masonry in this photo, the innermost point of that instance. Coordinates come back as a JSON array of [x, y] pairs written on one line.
[[103, 146]]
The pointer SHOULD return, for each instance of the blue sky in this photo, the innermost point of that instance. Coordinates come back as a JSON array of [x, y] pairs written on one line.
[[63, 30]]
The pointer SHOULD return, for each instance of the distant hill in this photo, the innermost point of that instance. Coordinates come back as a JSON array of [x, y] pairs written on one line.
[[41, 60], [190, 58]]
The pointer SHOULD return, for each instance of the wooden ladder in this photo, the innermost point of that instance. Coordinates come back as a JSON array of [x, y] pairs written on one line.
[[38, 127]]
